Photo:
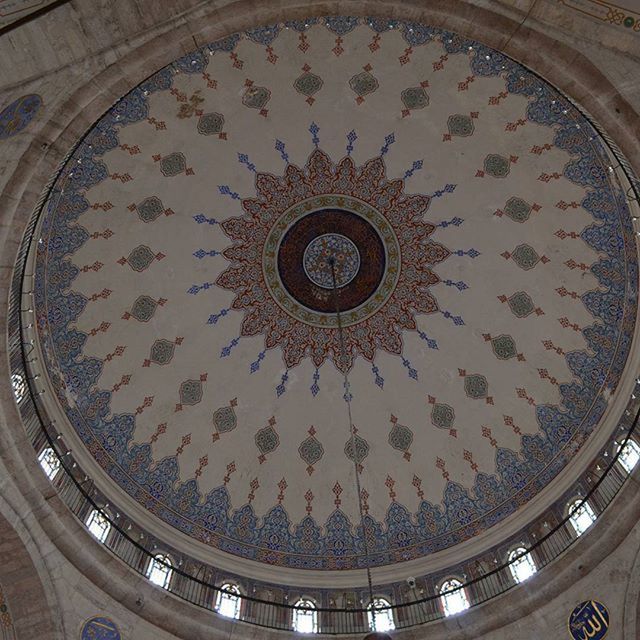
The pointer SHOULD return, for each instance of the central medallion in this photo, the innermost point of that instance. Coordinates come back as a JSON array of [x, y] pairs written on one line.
[[319, 254], [383, 253], [311, 240]]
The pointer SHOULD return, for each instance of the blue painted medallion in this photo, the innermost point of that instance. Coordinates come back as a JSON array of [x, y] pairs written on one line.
[[16, 116], [589, 621], [100, 628]]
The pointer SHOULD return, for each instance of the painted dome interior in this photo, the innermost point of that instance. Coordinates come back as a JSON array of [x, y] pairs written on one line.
[[458, 212]]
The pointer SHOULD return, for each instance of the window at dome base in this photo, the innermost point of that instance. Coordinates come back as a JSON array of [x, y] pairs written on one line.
[[19, 385], [98, 525], [305, 616], [454, 599], [581, 516], [379, 616], [196, 353], [629, 455], [159, 571], [49, 462], [228, 601], [521, 564]]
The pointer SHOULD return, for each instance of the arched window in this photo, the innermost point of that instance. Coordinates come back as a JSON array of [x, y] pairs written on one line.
[[521, 564], [228, 601], [159, 571], [305, 616], [380, 619], [454, 599], [98, 525], [19, 386], [581, 516], [49, 462], [629, 455]]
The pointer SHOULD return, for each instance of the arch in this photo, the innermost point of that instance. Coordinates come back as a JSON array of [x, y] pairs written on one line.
[[49, 462], [304, 617], [581, 515], [160, 570], [98, 525], [228, 600], [629, 455], [379, 615], [521, 564], [19, 386], [453, 596]]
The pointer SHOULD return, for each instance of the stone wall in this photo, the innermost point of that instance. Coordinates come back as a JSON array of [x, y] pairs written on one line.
[[79, 58]]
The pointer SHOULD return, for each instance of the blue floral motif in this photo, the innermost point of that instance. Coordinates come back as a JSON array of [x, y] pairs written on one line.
[[99, 628], [380, 25], [341, 25], [301, 25], [336, 543], [416, 34], [17, 115], [195, 62], [275, 533], [264, 35]]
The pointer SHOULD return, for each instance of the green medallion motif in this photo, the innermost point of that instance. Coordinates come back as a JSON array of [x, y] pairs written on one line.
[[144, 308], [191, 392], [267, 440], [224, 419], [400, 437], [162, 351], [363, 83], [414, 98], [476, 386], [496, 165], [521, 304], [361, 447], [140, 258], [442, 416], [173, 164], [504, 347], [149, 209], [210, 124], [517, 209], [525, 256], [311, 450], [460, 125], [256, 97], [308, 84]]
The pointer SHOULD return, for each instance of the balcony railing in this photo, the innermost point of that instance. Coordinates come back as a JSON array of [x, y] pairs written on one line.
[[482, 579]]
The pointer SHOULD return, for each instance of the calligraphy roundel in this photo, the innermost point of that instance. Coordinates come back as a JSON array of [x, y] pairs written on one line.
[[99, 628], [589, 621], [16, 116]]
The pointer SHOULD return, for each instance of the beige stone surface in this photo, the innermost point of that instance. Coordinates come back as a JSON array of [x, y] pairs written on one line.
[[80, 60]]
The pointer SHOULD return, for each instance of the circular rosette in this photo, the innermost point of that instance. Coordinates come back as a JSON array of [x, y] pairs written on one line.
[[329, 221]]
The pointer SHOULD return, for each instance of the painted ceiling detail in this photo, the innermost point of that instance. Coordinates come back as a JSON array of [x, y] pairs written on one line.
[[623, 13], [484, 266], [17, 115]]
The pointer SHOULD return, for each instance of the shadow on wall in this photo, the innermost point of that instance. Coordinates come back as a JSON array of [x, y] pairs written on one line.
[[24, 607]]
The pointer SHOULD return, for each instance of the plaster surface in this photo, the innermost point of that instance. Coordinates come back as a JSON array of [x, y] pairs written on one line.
[[603, 97]]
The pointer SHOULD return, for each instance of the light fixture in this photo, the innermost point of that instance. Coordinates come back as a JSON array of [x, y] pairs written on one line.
[[373, 635]]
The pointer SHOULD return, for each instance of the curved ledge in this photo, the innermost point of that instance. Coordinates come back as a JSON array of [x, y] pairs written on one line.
[[525, 45]]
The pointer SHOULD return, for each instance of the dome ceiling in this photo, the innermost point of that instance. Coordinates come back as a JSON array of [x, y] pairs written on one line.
[[486, 276]]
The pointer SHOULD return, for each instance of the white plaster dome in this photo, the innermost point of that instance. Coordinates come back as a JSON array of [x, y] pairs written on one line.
[[486, 272]]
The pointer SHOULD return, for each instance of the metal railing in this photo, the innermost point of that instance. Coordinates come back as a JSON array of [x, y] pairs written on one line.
[[483, 578], [199, 583]]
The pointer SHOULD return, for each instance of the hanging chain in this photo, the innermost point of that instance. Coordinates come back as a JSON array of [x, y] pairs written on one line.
[[352, 431]]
